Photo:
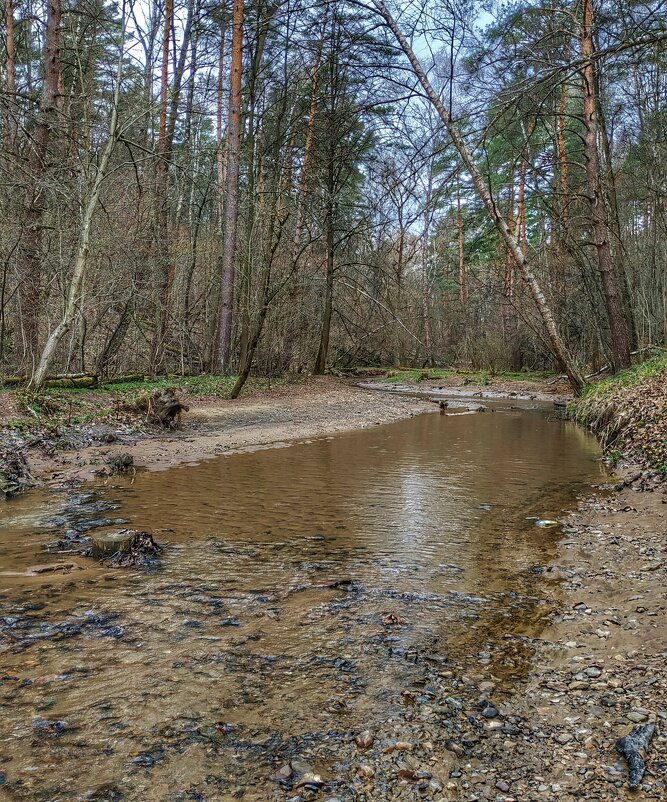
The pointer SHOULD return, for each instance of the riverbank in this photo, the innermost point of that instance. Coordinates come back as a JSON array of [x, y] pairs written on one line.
[[316, 407], [535, 386]]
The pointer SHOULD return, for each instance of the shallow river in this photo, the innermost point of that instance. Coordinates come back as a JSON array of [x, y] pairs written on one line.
[[302, 591]]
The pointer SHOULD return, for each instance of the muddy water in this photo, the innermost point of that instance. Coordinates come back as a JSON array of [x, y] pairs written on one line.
[[305, 594]]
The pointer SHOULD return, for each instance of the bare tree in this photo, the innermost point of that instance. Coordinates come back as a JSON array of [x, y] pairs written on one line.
[[89, 207], [560, 350]]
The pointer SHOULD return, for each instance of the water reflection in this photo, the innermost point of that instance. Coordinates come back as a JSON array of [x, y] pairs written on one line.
[[425, 523]]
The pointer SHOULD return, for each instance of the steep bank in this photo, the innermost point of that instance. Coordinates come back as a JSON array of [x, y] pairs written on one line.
[[628, 412]]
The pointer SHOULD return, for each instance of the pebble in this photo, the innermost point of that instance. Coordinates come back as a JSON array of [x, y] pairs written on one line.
[[564, 738], [364, 740]]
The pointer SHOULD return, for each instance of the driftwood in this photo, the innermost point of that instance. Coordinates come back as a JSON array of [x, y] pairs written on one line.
[[633, 747], [162, 407]]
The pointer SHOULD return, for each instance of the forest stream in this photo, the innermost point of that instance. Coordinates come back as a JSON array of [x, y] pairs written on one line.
[[316, 606]]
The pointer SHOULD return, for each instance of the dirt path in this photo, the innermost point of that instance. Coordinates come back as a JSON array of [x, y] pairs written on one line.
[[213, 427]]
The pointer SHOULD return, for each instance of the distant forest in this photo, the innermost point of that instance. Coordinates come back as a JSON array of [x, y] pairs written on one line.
[[283, 186]]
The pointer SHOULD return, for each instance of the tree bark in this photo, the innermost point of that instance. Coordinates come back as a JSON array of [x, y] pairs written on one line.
[[221, 180], [166, 130], [558, 347], [230, 220], [10, 80], [620, 344], [330, 224]]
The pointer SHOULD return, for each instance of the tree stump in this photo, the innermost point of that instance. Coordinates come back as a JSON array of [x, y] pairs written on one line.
[[125, 548], [14, 473], [162, 407]]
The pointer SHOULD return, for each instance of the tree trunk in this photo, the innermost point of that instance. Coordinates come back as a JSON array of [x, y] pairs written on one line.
[[609, 187], [620, 345], [230, 220], [510, 325], [463, 290], [11, 111], [559, 349], [323, 351], [221, 176], [166, 130], [31, 266]]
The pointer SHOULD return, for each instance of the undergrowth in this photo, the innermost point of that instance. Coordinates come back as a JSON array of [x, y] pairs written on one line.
[[113, 402], [628, 412]]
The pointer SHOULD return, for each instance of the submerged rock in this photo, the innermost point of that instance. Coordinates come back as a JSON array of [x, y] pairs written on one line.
[[545, 523]]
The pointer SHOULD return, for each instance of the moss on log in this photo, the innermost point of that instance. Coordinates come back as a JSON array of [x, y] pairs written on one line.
[[63, 381]]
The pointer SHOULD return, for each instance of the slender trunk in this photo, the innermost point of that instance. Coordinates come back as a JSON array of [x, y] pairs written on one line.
[[31, 267], [609, 187], [563, 206], [559, 349], [510, 326], [116, 339], [166, 130], [323, 350], [254, 149], [11, 109], [230, 220], [620, 345], [221, 177], [463, 290], [426, 281], [307, 152], [81, 263], [296, 290]]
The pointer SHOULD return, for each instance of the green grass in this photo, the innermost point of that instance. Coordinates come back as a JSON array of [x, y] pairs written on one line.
[[651, 369], [209, 385]]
